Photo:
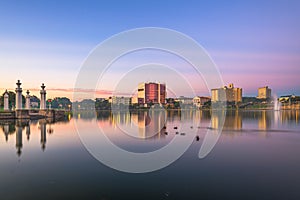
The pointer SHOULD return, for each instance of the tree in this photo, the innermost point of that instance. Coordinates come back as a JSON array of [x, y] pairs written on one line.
[[59, 103], [102, 105], [11, 99]]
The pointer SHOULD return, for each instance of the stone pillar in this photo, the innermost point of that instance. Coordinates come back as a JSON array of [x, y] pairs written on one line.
[[27, 100], [43, 98], [6, 102], [18, 96]]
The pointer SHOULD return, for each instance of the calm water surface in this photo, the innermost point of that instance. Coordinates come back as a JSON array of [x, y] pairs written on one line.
[[256, 157]]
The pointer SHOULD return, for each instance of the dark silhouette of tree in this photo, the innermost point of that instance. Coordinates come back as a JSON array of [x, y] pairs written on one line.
[[11, 99]]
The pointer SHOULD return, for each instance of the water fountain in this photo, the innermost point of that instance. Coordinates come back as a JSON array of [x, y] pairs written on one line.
[[277, 104], [276, 108]]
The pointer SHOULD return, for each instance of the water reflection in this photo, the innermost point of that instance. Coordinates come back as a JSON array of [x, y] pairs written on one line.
[[233, 120], [43, 135], [265, 121], [27, 128], [149, 124], [8, 129], [19, 141], [291, 116], [19, 127], [53, 157], [156, 125], [126, 117]]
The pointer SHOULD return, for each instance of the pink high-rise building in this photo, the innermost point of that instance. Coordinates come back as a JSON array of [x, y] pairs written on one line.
[[151, 93]]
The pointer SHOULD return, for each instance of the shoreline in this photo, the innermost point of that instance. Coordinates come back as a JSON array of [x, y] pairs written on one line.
[[53, 113], [31, 114]]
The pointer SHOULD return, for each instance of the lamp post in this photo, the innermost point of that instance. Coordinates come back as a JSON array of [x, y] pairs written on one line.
[[49, 102]]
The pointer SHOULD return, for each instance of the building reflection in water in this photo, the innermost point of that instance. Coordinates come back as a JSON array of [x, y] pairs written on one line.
[[173, 115], [233, 120], [140, 124], [268, 117], [289, 116], [202, 116], [151, 124], [265, 120], [120, 117]]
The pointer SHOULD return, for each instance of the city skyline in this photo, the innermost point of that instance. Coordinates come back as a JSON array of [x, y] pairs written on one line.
[[147, 94], [134, 94], [248, 41], [150, 99]]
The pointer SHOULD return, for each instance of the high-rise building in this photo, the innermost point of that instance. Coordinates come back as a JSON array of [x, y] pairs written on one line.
[[229, 94], [151, 93], [264, 93]]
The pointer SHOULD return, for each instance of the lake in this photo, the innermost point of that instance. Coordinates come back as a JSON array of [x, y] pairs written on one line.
[[255, 157]]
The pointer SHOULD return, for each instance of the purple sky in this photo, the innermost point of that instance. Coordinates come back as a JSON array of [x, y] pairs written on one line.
[[253, 43]]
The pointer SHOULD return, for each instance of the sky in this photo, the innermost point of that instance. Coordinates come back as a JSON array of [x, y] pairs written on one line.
[[253, 43]]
